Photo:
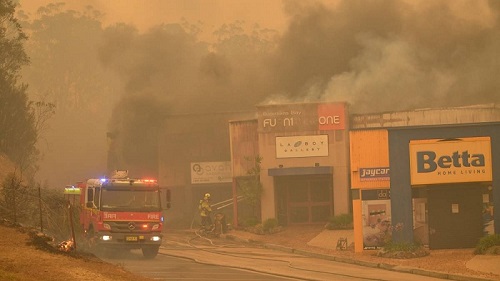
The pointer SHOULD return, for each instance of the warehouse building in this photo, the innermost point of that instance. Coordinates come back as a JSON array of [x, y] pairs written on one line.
[[304, 151], [428, 175]]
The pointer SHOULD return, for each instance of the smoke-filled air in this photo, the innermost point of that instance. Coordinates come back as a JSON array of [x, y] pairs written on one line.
[[377, 55]]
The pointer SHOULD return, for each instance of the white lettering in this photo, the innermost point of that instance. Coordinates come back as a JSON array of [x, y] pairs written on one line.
[[325, 120], [153, 216], [270, 122]]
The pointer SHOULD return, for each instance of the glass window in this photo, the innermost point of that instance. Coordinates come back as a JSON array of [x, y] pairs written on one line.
[[299, 215], [320, 191], [320, 213], [122, 200]]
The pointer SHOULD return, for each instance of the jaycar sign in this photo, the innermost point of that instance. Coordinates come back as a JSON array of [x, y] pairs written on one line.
[[450, 161]]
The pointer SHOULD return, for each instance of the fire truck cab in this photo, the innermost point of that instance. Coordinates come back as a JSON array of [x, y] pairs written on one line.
[[123, 214]]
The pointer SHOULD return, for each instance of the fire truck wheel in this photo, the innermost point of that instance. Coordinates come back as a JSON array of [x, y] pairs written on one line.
[[150, 252]]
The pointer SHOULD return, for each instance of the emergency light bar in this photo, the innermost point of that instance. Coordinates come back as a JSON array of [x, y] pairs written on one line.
[[72, 190], [120, 182]]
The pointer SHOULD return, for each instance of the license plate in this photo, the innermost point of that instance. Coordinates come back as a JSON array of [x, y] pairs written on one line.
[[131, 238]]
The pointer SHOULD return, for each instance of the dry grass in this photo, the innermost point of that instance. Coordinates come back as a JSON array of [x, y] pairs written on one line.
[[21, 260]]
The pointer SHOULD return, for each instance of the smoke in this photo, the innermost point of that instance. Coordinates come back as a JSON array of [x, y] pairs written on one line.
[[391, 55], [377, 55]]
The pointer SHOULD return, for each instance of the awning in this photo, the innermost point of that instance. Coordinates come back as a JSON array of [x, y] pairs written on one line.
[[298, 171]]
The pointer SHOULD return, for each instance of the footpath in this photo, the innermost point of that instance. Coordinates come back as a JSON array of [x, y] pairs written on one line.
[[452, 265]]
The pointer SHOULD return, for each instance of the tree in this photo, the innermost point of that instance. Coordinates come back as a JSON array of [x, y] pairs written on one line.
[[66, 72], [250, 186], [17, 125]]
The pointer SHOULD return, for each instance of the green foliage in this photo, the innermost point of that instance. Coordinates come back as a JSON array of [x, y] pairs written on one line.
[[486, 243], [17, 125], [270, 224], [250, 222], [250, 186], [12, 37], [403, 250], [392, 246], [343, 221]]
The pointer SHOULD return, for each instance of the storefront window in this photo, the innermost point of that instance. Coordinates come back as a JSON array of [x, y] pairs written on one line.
[[320, 213], [308, 198], [299, 215]]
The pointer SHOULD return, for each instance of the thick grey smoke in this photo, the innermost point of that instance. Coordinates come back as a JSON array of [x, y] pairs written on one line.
[[168, 72], [377, 55], [392, 55]]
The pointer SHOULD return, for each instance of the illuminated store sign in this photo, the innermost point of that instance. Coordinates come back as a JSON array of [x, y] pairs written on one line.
[[450, 161]]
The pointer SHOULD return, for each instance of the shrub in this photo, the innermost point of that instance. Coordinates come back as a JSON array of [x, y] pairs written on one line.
[[487, 242], [257, 229], [343, 221], [403, 250], [249, 222], [269, 225], [392, 246]]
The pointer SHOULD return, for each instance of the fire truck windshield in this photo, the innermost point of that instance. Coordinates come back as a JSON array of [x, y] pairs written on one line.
[[130, 200]]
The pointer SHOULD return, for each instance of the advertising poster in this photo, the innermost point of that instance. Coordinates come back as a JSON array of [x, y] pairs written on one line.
[[376, 212]]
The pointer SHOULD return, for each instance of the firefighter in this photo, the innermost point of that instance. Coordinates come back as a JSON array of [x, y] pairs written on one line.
[[205, 210]]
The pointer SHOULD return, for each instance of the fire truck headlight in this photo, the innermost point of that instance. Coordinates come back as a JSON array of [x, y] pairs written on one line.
[[155, 226], [106, 237], [155, 238], [106, 226]]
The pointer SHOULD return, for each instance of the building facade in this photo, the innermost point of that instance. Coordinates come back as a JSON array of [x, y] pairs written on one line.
[[426, 175], [304, 160]]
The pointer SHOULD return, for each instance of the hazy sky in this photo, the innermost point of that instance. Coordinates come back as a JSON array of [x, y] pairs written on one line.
[[147, 13], [378, 55]]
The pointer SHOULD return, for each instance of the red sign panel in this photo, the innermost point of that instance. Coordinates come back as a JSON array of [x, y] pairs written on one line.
[[331, 116]]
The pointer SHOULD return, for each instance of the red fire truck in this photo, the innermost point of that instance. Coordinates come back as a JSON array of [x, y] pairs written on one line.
[[123, 214]]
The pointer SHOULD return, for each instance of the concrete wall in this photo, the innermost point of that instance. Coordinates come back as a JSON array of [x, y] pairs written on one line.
[[302, 120]]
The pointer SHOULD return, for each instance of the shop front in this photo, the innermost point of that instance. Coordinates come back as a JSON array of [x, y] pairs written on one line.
[[370, 187], [443, 184], [454, 175], [305, 155], [434, 185], [304, 199]]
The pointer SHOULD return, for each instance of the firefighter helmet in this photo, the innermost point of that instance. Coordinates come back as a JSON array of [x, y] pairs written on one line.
[[207, 196]]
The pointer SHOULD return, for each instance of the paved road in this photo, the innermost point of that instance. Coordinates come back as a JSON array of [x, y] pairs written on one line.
[[165, 267], [287, 264], [198, 252]]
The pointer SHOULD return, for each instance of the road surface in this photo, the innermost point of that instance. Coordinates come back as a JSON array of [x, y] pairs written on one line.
[[185, 256]]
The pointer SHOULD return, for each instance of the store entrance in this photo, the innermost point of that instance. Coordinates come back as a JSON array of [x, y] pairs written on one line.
[[455, 216], [304, 199]]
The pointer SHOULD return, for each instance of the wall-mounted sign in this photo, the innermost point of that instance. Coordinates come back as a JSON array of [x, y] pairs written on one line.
[[302, 117], [374, 174], [302, 146], [211, 172], [450, 161]]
